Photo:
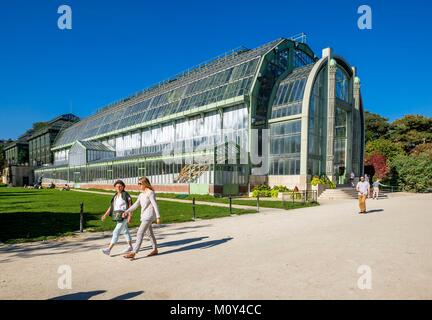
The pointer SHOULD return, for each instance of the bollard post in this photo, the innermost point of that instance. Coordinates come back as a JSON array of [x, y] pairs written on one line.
[[258, 205], [82, 222], [193, 209], [230, 204]]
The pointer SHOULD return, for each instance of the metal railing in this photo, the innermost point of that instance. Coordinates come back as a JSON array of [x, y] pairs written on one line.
[[301, 196], [391, 188]]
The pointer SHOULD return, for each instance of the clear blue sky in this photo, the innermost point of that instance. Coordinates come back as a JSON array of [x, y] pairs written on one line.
[[119, 47]]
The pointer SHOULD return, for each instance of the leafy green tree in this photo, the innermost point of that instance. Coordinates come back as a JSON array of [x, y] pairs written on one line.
[[385, 147], [413, 173], [39, 125], [410, 131], [423, 149], [2, 158], [376, 126]]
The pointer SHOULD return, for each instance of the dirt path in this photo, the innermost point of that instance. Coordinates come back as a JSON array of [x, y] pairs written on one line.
[[311, 253]]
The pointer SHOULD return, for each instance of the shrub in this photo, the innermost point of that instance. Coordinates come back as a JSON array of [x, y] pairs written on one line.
[[315, 181], [274, 193], [265, 191], [261, 190], [413, 173], [323, 180], [281, 188]]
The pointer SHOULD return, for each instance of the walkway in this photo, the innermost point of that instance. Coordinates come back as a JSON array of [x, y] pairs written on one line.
[[310, 253]]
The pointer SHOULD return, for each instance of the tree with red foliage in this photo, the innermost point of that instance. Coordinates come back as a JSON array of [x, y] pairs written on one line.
[[379, 163]]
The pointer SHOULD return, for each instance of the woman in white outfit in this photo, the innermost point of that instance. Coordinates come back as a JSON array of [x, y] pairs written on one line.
[[119, 204], [149, 213]]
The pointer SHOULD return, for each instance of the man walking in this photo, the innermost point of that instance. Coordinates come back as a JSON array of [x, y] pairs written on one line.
[[363, 189]]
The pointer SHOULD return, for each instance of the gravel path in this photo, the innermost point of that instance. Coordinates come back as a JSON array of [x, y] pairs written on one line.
[[310, 253]]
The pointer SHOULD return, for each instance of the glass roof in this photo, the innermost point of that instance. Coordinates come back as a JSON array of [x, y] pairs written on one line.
[[290, 93], [221, 79]]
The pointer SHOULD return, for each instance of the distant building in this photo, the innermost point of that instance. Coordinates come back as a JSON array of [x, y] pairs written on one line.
[[17, 152], [17, 171], [32, 150], [41, 141]]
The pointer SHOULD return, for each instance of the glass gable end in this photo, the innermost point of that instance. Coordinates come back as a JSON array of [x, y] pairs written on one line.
[[290, 93]]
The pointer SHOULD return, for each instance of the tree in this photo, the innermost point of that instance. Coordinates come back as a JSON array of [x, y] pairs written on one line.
[[410, 131], [385, 147], [376, 126], [39, 125], [2, 158], [424, 148], [379, 163], [413, 172]]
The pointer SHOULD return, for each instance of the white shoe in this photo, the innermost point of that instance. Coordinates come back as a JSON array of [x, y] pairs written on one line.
[[106, 251], [127, 250]]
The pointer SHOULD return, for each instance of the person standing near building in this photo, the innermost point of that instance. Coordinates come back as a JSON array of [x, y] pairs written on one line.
[[352, 177], [149, 213], [119, 204], [376, 188], [363, 189]]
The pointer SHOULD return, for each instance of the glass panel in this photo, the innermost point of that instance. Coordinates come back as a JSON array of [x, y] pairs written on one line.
[[342, 85]]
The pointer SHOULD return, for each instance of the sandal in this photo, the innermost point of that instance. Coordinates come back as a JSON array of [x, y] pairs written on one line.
[[153, 253], [130, 255]]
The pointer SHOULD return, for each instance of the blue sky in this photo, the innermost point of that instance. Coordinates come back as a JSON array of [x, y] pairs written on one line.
[[116, 48]]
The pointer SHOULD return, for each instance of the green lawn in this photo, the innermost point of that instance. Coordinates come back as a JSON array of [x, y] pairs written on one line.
[[31, 215], [209, 198]]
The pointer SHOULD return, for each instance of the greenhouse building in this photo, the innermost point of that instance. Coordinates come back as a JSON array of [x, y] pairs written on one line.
[[275, 115]]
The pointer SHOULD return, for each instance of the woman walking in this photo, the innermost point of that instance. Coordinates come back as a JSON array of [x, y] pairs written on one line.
[[119, 204], [149, 213], [376, 188]]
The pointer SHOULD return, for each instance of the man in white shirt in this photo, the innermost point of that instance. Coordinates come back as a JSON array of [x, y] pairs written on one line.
[[363, 189]]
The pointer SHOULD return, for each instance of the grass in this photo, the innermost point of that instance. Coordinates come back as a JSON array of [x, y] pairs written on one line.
[[245, 201], [33, 215]]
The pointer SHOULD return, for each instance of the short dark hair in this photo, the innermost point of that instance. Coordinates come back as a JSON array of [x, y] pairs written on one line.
[[120, 182]]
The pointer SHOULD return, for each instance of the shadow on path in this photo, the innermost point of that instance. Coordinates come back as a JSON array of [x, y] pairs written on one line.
[[91, 294], [128, 296], [374, 210], [168, 244], [79, 295], [201, 245]]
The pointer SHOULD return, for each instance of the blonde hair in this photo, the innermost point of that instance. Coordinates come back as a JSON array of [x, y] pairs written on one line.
[[145, 182]]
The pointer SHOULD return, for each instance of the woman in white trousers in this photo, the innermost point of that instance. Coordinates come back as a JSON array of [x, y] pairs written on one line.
[[149, 213]]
